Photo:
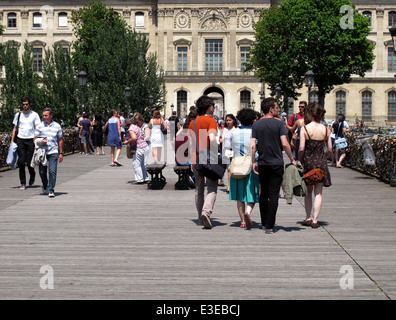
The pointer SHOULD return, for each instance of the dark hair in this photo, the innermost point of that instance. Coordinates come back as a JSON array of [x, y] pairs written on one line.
[[85, 115], [315, 111], [98, 117], [235, 122], [303, 102], [339, 119], [203, 103], [24, 99], [267, 104], [191, 116], [246, 116]]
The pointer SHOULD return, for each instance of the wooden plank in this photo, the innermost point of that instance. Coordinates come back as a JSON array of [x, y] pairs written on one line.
[[106, 238]]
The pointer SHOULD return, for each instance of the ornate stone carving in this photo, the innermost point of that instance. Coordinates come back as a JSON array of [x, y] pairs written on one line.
[[213, 24], [182, 20], [126, 13], [380, 12], [244, 20], [24, 14]]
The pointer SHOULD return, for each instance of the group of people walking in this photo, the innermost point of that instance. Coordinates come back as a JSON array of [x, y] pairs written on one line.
[[263, 137]]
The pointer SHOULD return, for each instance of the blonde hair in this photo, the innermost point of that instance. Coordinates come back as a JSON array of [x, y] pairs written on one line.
[[137, 116]]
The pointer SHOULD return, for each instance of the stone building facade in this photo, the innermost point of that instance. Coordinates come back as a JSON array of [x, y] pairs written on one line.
[[202, 47]]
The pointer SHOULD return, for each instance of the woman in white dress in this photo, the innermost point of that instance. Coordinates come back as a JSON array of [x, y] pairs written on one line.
[[157, 140]]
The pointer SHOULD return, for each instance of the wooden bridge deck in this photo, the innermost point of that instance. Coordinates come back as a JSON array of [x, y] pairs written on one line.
[[106, 238]]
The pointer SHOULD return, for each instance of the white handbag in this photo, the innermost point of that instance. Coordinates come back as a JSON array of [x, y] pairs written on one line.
[[241, 166]]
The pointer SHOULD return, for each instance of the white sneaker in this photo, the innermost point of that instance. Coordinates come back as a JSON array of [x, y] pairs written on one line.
[[206, 221], [51, 194], [22, 187], [269, 231]]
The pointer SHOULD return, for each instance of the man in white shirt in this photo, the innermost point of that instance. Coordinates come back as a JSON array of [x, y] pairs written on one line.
[[25, 122], [52, 135]]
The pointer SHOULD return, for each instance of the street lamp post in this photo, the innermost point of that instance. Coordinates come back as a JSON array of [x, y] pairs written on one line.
[[278, 92], [393, 35], [290, 102], [82, 79], [151, 101], [309, 80], [127, 92], [164, 104]]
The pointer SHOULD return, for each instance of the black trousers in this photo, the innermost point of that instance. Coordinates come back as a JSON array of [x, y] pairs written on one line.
[[270, 181], [25, 154]]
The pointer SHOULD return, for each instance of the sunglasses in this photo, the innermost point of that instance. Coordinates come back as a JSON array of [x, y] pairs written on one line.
[[25, 104]]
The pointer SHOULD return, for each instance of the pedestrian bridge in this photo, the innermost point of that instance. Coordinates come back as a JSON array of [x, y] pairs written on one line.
[[102, 237]]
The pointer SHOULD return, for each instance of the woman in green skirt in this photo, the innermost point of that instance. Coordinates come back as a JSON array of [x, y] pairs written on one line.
[[245, 191]]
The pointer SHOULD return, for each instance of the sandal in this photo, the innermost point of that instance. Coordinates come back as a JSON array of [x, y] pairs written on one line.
[[117, 163], [248, 221], [307, 222], [314, 225], [243, 225]]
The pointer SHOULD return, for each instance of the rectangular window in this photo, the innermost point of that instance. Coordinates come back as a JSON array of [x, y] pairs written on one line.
[[391, 60], [392, 106], [62, 19], [245, 57], [392, 18], [245, 99], [366, 105], [139, 19], [37, 20], [340, 102], [213, 55], [12, 20], [182, 59], [37, 59]]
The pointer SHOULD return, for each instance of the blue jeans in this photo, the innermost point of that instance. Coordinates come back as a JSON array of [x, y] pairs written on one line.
[[52, 167]]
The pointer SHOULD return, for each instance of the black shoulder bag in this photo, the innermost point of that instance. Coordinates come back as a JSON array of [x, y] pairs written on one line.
[[17, 129], [212, 168]]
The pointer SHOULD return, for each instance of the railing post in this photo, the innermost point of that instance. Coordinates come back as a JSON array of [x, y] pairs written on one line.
[[393, 178]]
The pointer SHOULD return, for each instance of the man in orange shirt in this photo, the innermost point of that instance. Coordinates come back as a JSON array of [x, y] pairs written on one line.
[[206, 127]]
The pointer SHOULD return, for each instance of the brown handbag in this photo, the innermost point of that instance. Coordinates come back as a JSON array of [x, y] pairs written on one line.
[[313, 176]]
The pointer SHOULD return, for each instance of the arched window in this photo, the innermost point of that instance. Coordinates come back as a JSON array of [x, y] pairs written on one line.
[[367, 14], [139, 19], [37, 20], [62, 19], [181, 103], [392, 106], [12, 20], [367, 105], [340, 102], [245, 99]]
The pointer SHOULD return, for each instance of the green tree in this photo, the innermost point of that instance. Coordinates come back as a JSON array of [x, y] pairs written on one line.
[[20, 81], [60, 86], [114, 57], [316, 35]]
